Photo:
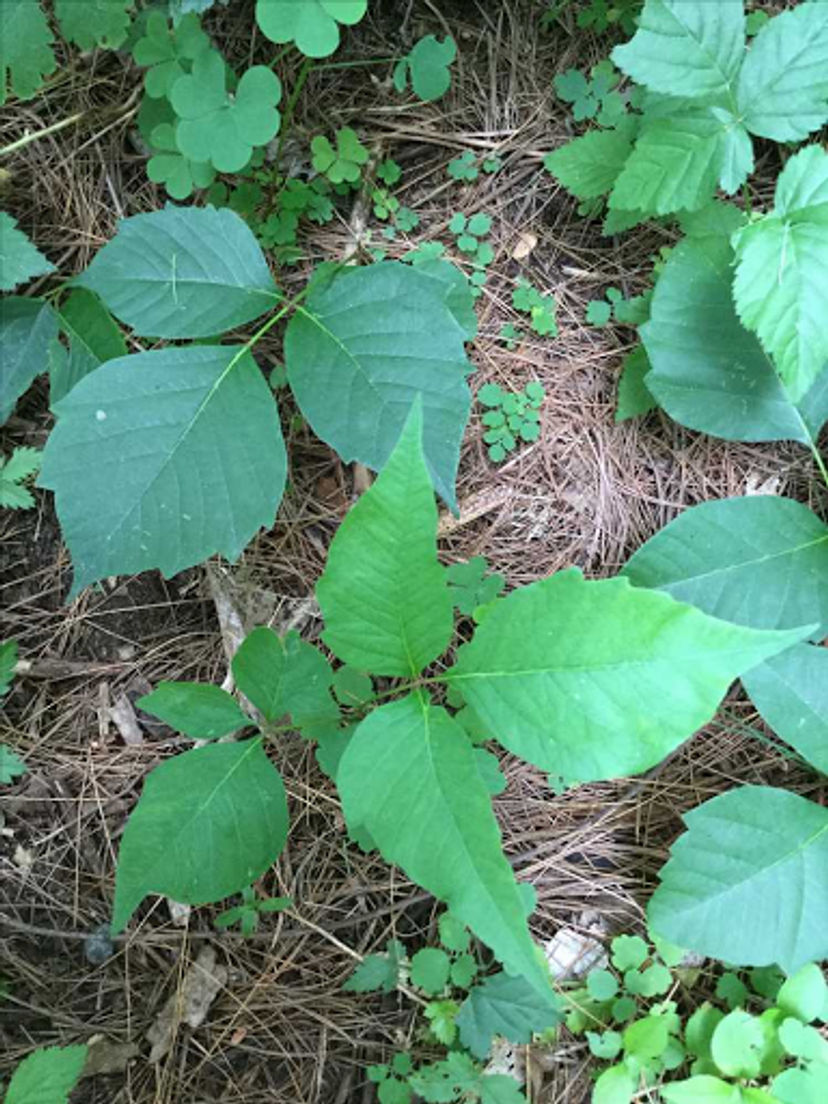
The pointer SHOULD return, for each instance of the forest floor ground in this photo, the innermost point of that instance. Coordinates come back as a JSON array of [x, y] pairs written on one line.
[[587, 493]]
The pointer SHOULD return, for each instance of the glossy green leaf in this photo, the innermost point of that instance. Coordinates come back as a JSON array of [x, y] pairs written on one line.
[[166, 51], [685, 49], [182, 272], [781, 282], [312, 25], [26, 55], [427, 67], [411, 755], [47, 1076], [701, 1089], [20, 261], [356, 381], [208, 823], [91, 23], [93, 339], [149, 469], [791, 693], [27, 328], [634, 398], [589, 166], [615, 1085], [709, 372], [737, 1043], [286, 676], [748, 881], [801, 1086], [759, 560], [599, 679], [503, 1005], [385, 599], [782, 91], [199, 710], [804, 994]]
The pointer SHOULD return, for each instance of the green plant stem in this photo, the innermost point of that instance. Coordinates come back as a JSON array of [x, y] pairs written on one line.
[[820, 463], [747, 200], [290, 108], [353, 64], [13, 147]]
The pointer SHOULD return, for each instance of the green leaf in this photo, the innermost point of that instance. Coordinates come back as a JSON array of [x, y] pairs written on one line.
[[413, 755], [343, 163], [499, 1088], [11, 765], [197, 709], [503, 1005], [453, 933], [598, 312], [782, 92], [217, 128], [430, 970], [589, 166], [47, 1076], [606, 1045], [377, 972], [26, 55], [781, 281], [743, 853], [647, 1038], [427, 66], [709, 373], [602, 985], [149, 469], [352, 687], [597, 679], [801, 1041], [384, 596], [27, 328], [791, 693], [356, 382], [700, 1028], [8, 664], [168, 166], [168, 51], [93, 339], [737, 1044], [20, 261], [801, 1086], [616, 1085], [463, 971], [182, 272], [758, 560], [453, 287], [287, 675], [311, 25], [208, 823], [732, 990], [472, 586], [91, 23], [634, 398], [804, 994], [685, 49], [703, 1089], [628, 952]]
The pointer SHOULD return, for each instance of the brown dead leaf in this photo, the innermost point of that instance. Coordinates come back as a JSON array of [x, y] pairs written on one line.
[[189, 1004], [104, 1056], [525, 244]]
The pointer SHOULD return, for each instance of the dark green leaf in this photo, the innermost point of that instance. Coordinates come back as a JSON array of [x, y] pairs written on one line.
[[199, 710]]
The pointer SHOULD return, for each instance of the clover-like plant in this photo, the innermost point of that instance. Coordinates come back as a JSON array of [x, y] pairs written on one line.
[[463, 168], [427, 67], [313, 25], [510, 417], [542, 309], [343, 163]]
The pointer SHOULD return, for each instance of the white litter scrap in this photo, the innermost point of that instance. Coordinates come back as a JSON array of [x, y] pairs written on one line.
[[573, 952]]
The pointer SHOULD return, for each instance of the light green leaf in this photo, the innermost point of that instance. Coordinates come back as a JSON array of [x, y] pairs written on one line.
[[90, 23], [791, 693], [168, 166], [804, 994], [430, 970], [385, 599], [455, 290], [287, 675], [748, 880], [167, 51], [149, 469], [343, 163], [182, 272], [352, 687], [628, 952], [589, 166], [499, 1088], [93, 339], [356, 382], [647, 1038], [208, 823], [709, 372], [598, 679], [503, 1005], [615, 1085], [217, 128], [26, 55], [47, 1076], [801, 1086], [11, 765], [703, 1089], [802, 1041], [700, 1028], [634, 398], [685, 49], [781, 282], [782, 92], [737, 1044], [27, 328], [311, 25], [759, 560], [199, 710], [427, 66], [20, 261], [411, 755]]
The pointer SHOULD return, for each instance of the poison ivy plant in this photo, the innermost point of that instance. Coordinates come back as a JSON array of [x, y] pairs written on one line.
[[426, 66], [313, 26], [47, 1076], [93, 339]]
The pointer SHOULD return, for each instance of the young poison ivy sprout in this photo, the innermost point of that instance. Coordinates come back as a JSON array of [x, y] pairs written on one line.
[[511, 416]]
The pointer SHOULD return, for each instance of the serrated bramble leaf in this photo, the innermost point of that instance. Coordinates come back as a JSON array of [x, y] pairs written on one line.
[[782, 91], [503, 1005], [47, 1076], [413, 755], [199, 710], [148, 468], [781, 282], [208, 824], [589, 166], [685, 49], [427, 67], [356, 383], [182, 272], [573, 675], [378, 971], [26, 54], [384, 596], [90, 23], [312, 25], [743, 853], [27, 329]]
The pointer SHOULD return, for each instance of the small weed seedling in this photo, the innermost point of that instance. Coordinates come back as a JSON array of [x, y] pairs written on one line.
[[540, 308], [467, 234], [510, 336], [627, 312], [247, 914], [427, 68], [472, 586], [594, 97], [511, 416], [15, 473], [11, 765], [464, 168], [343, 164]]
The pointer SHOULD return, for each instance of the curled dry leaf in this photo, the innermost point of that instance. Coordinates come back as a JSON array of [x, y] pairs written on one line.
[[189, 1004]]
